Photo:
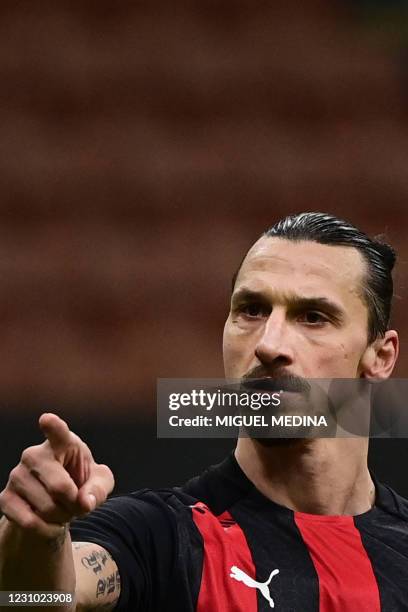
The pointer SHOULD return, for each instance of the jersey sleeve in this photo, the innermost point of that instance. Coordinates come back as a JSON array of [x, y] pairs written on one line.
[[139, 530]]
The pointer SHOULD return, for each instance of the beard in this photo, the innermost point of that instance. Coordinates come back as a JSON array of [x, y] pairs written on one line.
[[280, 442], [299, 398]]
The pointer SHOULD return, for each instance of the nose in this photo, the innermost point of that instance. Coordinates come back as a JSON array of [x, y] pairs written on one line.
[[275, 346]]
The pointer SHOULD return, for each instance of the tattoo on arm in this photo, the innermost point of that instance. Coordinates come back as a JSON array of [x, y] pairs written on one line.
[[98, 570], [107, 606], [106, 585], [100, 587], [96, 560]]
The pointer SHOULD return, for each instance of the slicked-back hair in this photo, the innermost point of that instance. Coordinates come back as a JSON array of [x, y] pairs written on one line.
[[379, 257]]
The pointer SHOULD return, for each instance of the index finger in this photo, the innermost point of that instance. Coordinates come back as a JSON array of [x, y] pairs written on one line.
[[56, 431]]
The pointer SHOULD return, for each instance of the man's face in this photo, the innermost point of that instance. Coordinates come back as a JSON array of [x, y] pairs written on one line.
[[297, 308]]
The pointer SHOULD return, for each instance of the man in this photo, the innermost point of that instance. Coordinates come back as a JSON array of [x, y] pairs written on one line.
[[295, 525]]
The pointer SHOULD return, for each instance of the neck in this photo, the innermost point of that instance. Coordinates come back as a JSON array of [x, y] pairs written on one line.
[[318, 476]]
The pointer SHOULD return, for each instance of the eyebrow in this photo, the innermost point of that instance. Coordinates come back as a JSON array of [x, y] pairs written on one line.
[[295, 302]]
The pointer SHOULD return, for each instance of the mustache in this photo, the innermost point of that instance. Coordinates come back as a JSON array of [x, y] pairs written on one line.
[[259, 379]]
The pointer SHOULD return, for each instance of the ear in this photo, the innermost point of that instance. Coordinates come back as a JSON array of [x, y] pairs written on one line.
[[379, 358]]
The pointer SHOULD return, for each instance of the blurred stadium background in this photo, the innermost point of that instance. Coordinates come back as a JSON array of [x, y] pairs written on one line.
[[144, 147]]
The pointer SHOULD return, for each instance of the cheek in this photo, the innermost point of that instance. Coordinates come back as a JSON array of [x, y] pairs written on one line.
[[226, 338], [236, 352], [230, 352], [343, 360], [227, 345]]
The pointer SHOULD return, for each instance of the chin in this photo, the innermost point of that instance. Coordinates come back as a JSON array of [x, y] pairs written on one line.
[[280, 442]]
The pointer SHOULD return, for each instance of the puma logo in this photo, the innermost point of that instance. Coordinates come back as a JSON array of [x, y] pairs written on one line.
[[241, 576]]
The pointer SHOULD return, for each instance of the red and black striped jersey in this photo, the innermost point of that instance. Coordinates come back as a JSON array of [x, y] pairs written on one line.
[[218, 545]]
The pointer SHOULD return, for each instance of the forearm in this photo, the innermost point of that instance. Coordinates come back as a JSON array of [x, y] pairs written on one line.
[[29, 562], [53, 482]]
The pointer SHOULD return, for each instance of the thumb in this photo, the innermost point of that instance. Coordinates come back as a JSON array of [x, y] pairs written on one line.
[[96, 489]]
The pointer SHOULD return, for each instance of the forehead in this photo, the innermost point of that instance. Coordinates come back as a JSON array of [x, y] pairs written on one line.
[[303, 267]]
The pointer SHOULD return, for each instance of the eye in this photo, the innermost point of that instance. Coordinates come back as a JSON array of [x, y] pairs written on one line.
[[312, 317], [253, 310]]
